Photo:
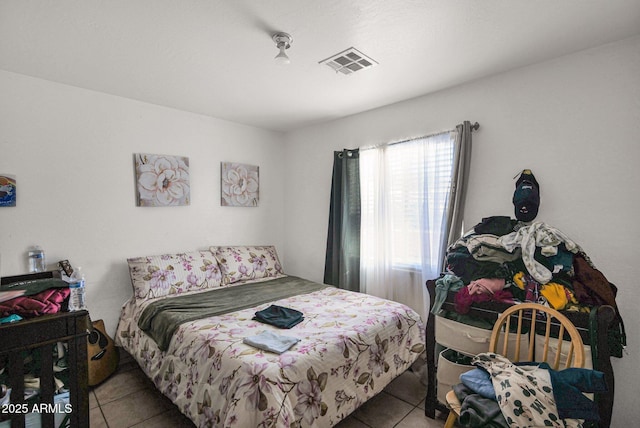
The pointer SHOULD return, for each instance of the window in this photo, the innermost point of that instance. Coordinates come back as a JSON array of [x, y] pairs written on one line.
[[404, 189]]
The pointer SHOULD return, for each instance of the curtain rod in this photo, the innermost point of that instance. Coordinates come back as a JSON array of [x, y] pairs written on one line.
[[391, 143], [474, 127]]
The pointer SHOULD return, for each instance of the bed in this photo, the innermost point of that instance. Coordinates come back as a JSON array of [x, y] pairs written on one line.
[[351, 345]]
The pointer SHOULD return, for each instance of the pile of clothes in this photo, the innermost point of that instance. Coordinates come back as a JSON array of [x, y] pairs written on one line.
[[511, 261], [499, 393], [521, 260]]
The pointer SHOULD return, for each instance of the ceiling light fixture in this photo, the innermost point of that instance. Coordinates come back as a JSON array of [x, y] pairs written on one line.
[[283, 41]]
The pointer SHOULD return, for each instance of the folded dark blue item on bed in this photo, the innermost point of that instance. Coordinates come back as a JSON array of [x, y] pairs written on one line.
[[279, 316]]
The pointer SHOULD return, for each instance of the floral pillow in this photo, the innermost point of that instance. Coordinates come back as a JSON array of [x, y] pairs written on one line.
[[245, 263], [160, 276]]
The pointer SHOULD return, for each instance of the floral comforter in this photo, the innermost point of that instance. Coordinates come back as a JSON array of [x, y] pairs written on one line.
[[351, 346]]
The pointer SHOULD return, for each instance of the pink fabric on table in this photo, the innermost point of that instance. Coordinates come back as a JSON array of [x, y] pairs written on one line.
[[46, 302], [463, 300], [486, 286]]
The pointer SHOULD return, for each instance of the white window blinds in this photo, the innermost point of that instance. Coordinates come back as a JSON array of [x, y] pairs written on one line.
[[405, 188]]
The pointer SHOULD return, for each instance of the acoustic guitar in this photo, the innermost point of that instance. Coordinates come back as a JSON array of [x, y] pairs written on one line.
[[102, 354]]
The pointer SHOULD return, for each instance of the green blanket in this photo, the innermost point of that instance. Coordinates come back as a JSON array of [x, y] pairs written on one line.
[[30, 287], [162, 318]]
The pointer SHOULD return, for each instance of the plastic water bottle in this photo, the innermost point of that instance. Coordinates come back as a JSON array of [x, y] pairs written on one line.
[[36, 259], [76, 286]]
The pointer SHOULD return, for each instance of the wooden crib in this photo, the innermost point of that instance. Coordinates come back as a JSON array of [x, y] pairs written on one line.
[[42, 333]]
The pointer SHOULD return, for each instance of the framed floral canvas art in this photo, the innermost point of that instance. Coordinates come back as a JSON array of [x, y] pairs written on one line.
[[162, 180], [239, 185]]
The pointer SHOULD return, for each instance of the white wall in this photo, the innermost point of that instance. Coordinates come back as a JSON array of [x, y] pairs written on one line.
[[72, 153], [574, 121]]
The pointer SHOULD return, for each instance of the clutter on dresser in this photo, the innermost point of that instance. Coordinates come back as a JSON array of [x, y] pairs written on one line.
[[503, 262], [77, 290], [33, 295]]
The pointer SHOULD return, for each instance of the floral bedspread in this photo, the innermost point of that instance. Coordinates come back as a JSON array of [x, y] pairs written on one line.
[[352, 345]]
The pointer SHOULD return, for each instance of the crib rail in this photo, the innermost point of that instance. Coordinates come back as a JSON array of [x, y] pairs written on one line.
[[42, 333]]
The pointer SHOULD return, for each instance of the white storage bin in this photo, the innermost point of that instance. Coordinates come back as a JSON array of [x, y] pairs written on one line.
[[471, 340], [553, 350], [462, 337], [448, 373]]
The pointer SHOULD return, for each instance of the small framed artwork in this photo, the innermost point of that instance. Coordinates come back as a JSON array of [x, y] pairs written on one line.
[[162, 180], [7, 190], [66, 267], [239, 185]]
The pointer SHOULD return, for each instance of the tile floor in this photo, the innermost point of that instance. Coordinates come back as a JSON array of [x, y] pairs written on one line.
[[129, 399]]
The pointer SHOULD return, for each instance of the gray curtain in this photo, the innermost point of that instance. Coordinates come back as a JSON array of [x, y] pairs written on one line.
[[459, 180], [342, 263]]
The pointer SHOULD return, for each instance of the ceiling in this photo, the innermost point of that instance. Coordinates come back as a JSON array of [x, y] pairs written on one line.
[[216, 57]]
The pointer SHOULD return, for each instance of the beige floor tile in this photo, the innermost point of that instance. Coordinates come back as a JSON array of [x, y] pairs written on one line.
[[93, 402], [169, 419], [135, 408], [416, 418], [383, 411], [351, 422], [407, 387], [96, 420], [120, 384], [127, 362], [422, 404]]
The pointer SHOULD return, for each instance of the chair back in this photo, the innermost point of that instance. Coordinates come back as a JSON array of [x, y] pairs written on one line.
[[554, 336]]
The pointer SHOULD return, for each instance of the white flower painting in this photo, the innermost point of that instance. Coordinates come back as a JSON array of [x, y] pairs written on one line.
[[239, 185], [162, 180]]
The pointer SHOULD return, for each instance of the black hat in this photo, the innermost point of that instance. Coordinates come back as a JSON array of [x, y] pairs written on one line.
[[526, 198]]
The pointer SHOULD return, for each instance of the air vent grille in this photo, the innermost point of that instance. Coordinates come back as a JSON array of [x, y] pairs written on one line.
[[349, 61]]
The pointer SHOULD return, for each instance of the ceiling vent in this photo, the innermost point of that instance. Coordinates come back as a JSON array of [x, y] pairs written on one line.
[[349, 61]]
